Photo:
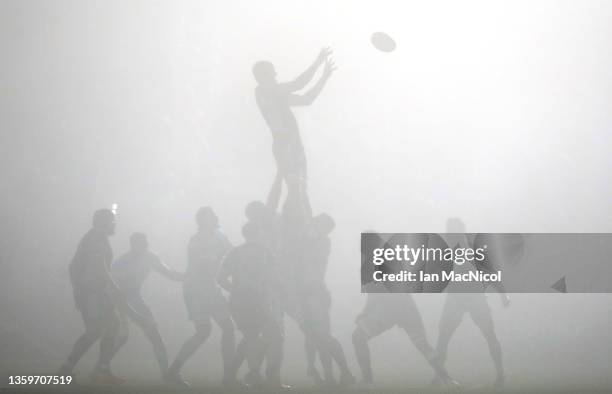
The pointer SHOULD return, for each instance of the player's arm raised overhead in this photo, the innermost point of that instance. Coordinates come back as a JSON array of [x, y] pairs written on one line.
[[304, 78], [308, 97]]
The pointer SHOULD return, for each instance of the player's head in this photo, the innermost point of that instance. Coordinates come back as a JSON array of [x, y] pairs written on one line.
[[251, 232], [139, 242], [323, 224], [255, 211], [264, 72], [455, 225], [207, 219], [104, 220]]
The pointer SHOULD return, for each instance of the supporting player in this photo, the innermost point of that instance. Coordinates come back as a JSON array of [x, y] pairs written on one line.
[[129, 272], [315, 300], [204, 299], [248, 273], [97, 298], [384, 311], [473, 304]]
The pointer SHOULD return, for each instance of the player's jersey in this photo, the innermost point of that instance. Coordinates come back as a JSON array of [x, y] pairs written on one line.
[[91, 261], [251, 267], [205, 253], [131, 269], [311, 271], [273, 103]]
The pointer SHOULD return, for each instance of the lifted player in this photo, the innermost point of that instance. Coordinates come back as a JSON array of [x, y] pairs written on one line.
[[129, 272], [275, 100], [203, 297]]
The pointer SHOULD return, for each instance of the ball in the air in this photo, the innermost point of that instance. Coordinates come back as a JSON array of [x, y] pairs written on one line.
[[383, 42]]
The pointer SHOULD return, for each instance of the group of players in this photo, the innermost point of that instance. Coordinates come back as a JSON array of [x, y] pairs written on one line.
[[279, 270]]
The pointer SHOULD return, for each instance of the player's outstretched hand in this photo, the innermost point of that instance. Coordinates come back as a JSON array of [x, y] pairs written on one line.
[[330, 67], [324, 54]]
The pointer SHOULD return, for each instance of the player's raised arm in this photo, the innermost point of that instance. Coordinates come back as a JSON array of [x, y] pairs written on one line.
[[303, 79], [308, 97]]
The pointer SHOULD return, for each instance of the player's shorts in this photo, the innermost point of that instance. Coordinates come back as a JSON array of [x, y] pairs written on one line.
[[203, 303], [290, 157], [252, 314], [97, 308], [476, 305], [138, 304], [404, 314]]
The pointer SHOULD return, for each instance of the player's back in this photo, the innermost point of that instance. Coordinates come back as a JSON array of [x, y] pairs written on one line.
[[205, 254], [93, 256], [131, 269], [251, 269], [273, 103]]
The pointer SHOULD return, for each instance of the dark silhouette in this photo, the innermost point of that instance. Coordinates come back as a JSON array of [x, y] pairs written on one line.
[[248, 273], [315, 300], [275, 100], [97, 298], [475, 304], [129, 272], [203, 298], [384, 311]]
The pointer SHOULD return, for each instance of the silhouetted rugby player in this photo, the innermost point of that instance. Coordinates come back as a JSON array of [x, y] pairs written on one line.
[[203, 298], [129, 272], [248, 273], [474, 304], [96, 297], [275, 100], [315, 300]]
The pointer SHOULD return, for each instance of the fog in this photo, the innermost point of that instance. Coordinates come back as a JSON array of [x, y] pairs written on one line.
[[494, 112]]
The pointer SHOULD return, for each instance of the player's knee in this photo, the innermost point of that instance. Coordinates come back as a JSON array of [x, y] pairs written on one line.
[[227, 326], [359, 337], [202, 330]]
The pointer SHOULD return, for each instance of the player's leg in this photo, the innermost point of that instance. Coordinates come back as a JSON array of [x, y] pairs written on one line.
[[452, 315], [481, 315], [412, 323], [123, 333], [93, 331], [110, 323], [311, 355], [202, 332], [228, 347], [151, 332], [273, 339], [366, 329]]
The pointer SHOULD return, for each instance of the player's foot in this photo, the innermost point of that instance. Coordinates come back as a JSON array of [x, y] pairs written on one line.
[[105, 377], [175, 378], [253, 380], [500, 381], [366, 384], [276, 384], [233, 383], [313, 374], [346, 379], [450, 383]]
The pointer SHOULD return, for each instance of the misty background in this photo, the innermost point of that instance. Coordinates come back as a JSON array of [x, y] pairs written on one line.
[[494, 112]]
